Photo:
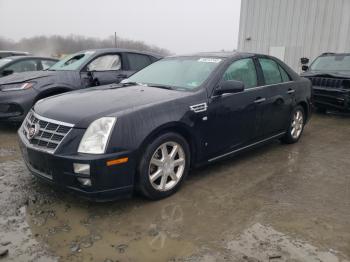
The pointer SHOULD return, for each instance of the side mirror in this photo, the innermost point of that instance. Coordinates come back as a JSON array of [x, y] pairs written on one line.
[[305, 68], [7, 72], [304, 60], [229, 87]]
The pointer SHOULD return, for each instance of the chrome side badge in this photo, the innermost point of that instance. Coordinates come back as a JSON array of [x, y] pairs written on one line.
[[199, 108]]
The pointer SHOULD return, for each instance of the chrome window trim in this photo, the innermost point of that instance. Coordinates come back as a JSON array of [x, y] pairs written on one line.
[[252, 89], [245, 147]]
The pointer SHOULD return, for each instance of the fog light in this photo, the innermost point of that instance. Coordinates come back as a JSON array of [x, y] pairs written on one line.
[[83, 169], [84, 181]]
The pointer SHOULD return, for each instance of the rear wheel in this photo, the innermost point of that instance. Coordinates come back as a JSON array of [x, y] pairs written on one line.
[[163, 166], [296, 126]]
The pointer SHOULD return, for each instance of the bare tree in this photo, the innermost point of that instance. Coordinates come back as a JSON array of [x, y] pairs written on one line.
[[60, 45]]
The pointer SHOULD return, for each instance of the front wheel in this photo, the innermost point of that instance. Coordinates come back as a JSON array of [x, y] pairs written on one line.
[[296, 126], [163, 166]]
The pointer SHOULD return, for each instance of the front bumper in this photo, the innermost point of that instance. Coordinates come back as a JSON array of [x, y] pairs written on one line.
[[108, 182], [332, 98], [14, 105]]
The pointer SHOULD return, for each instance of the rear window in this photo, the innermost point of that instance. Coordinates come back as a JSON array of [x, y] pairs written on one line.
[[137, 61], [271, 71]]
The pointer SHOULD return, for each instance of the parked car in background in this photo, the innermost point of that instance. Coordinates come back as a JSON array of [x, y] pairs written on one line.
[[4, 54], [19, 92], [330, 77], [19, 64], [146, 133]]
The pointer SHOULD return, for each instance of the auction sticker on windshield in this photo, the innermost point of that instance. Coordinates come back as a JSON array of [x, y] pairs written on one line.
[[209, 60]]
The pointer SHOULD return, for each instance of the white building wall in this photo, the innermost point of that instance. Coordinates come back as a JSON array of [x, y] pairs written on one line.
[[303, 28]]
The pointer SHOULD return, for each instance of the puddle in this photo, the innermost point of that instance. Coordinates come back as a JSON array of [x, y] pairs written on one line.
[[264, 243]]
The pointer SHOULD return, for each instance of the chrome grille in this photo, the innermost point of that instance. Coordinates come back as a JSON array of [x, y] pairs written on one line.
[[51, 132]]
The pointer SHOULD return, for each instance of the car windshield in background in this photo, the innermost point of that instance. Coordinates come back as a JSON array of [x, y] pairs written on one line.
[[4, 61], [331, 63], [184, 73], [72, 62]]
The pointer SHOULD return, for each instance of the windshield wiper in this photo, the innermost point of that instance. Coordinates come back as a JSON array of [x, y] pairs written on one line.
[[161, 86], [130, 84]]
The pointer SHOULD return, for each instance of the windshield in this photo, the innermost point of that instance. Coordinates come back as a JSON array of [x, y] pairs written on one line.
[[185, 73], [72, 62], [4, 61], [331, 63]]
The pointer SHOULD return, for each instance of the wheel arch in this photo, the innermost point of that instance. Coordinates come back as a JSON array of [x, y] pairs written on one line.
[[174, 127], [50, 92], [305, 106]]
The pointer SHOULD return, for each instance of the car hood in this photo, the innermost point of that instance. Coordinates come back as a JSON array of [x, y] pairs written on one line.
[[339, 74], [84, 106], [46, 76]]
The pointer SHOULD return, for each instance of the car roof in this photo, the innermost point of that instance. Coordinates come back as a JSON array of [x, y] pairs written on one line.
[[217, 54], [334, 54], [121, 50], [13, 52], [18, 57]]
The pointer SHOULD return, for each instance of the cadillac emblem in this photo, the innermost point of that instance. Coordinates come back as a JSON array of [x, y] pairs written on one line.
[[33, 130]]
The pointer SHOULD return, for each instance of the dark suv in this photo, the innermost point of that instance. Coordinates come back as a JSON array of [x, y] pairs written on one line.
[[330, 77], [180, 112], [19, 92]]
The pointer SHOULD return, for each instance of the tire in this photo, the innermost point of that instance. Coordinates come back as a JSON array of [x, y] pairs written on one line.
[[160, 172], [296, 126]]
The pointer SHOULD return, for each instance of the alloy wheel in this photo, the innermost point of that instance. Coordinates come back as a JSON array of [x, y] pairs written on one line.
[[167, 166], [297, 124]]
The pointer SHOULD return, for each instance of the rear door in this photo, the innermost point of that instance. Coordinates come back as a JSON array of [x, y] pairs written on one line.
[[136, 62], [279, 100]]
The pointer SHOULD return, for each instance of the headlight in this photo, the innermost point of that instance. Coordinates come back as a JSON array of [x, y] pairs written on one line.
[[17, 87], [96, 137]]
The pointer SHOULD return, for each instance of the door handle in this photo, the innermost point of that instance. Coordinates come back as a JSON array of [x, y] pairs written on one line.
[[290, 91], [260, 100]]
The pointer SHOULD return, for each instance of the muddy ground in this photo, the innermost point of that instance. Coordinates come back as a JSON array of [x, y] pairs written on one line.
[[276, 203]]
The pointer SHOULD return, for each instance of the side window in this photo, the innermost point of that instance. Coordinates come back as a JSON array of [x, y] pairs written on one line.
[[137, 61], [23, 66], [271, 71], [244, 71], [105, 63], [47, 64], [285, 76]]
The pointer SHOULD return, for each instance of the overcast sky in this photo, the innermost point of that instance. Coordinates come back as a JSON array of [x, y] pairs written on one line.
[[181, 26]]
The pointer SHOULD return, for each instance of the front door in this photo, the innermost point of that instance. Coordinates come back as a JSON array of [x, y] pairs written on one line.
[[233, 119], [103, 70]]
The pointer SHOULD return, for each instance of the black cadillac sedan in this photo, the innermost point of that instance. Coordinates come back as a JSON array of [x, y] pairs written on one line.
[[178, 113], [19, 92]]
